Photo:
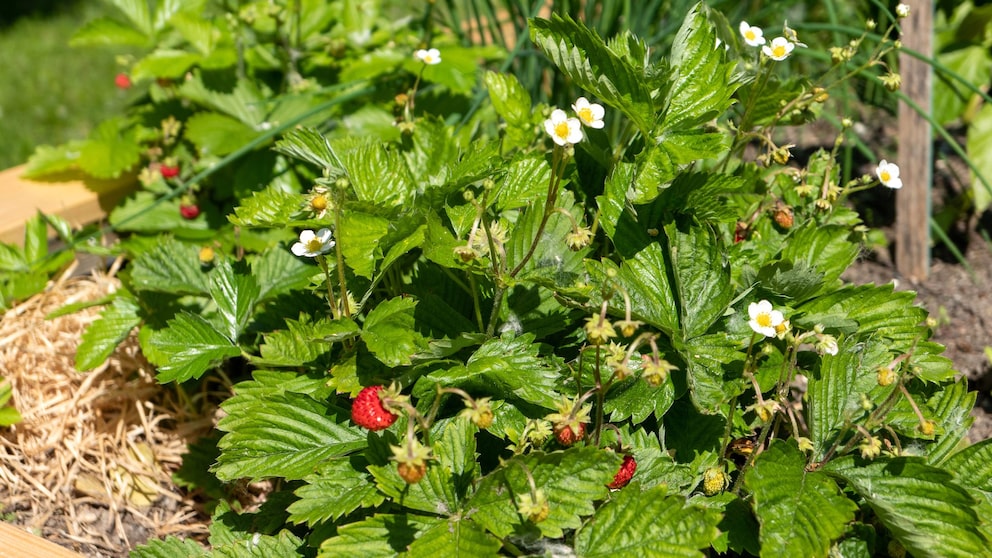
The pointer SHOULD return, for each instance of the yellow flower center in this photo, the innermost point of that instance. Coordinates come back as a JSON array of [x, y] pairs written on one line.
[[314, 245], [749, 35], [429, 59], [764, 320], [885, 176], [561, 130], [779, 51], [585, 114]]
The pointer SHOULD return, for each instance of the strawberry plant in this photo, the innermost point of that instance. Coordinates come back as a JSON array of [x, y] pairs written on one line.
[[613, 327]]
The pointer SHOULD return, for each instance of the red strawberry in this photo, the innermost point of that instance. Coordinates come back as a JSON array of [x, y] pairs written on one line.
[[122, 81], [169, 171], [567, 436], [367, 410], [625, 473], [189, 211]]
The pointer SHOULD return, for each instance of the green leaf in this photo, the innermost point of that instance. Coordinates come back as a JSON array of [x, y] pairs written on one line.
[[170, 547], [702, 276], [137, 12], [282, 435], [389, 332], [308, 144], [271, 207], [171, 267], [979, 146], [193, 347], [505, 367], [878, 311], [110, 150], [801, 513], [645, 277], [972, 62], [512, 103], [525, 183], [456, 537], [35, 239], [216, 135], [278, 272], [379, 536], [359, 235], [925, 510], [8, 415], [107, 32], [303, 342], [165, 63], [434, 494], [702, 84], [338, 487], [972, 466], [952, 408], [284, 544], [235, 295], [581, 54], [103, 335], [826, 248], [652, 523], [571, 480], [633, 398], [715, 364], [378, 176], [835, 390]]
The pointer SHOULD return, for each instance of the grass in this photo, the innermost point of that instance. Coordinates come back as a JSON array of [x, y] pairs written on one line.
[[51, 93]]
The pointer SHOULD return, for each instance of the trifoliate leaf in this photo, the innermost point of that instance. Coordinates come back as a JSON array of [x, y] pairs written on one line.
[[922, 506], [282, 435], [193, 346], [652, 523], [801, 512]]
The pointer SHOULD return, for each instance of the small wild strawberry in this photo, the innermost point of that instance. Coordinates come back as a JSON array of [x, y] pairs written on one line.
[[190, 211], [122, 81], [783, 215], [567, 436], [367, 410], [412, 473], [169, 171], [625, 473]]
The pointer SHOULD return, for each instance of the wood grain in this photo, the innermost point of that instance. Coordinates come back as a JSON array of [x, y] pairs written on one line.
[[18, 543]]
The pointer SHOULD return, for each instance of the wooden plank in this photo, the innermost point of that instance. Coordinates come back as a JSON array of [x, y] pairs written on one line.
[[915, 147], [18, 543], [75, 201]]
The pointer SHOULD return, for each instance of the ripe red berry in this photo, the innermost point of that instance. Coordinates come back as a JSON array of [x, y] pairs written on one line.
[[567, 436], [625, 473], [367, 410], [122, 81], [169, 171], [189, 211]]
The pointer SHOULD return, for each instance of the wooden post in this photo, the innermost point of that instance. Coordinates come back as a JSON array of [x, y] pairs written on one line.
[[915, 146]]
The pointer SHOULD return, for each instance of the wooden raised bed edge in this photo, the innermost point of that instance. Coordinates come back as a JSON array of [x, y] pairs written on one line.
[[80, 203]]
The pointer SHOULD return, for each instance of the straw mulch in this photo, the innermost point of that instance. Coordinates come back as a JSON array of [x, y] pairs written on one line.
[[90, 465]]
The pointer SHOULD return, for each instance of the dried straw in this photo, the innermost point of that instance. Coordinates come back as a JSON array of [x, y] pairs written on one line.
[[90, 465]]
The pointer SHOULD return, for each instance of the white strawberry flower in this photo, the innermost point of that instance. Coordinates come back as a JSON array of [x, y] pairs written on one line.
[[562, 129], [753, 36], [888, 174], [779, 50], [764, 319], [590, 114], [313, 244], [428, 56]]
